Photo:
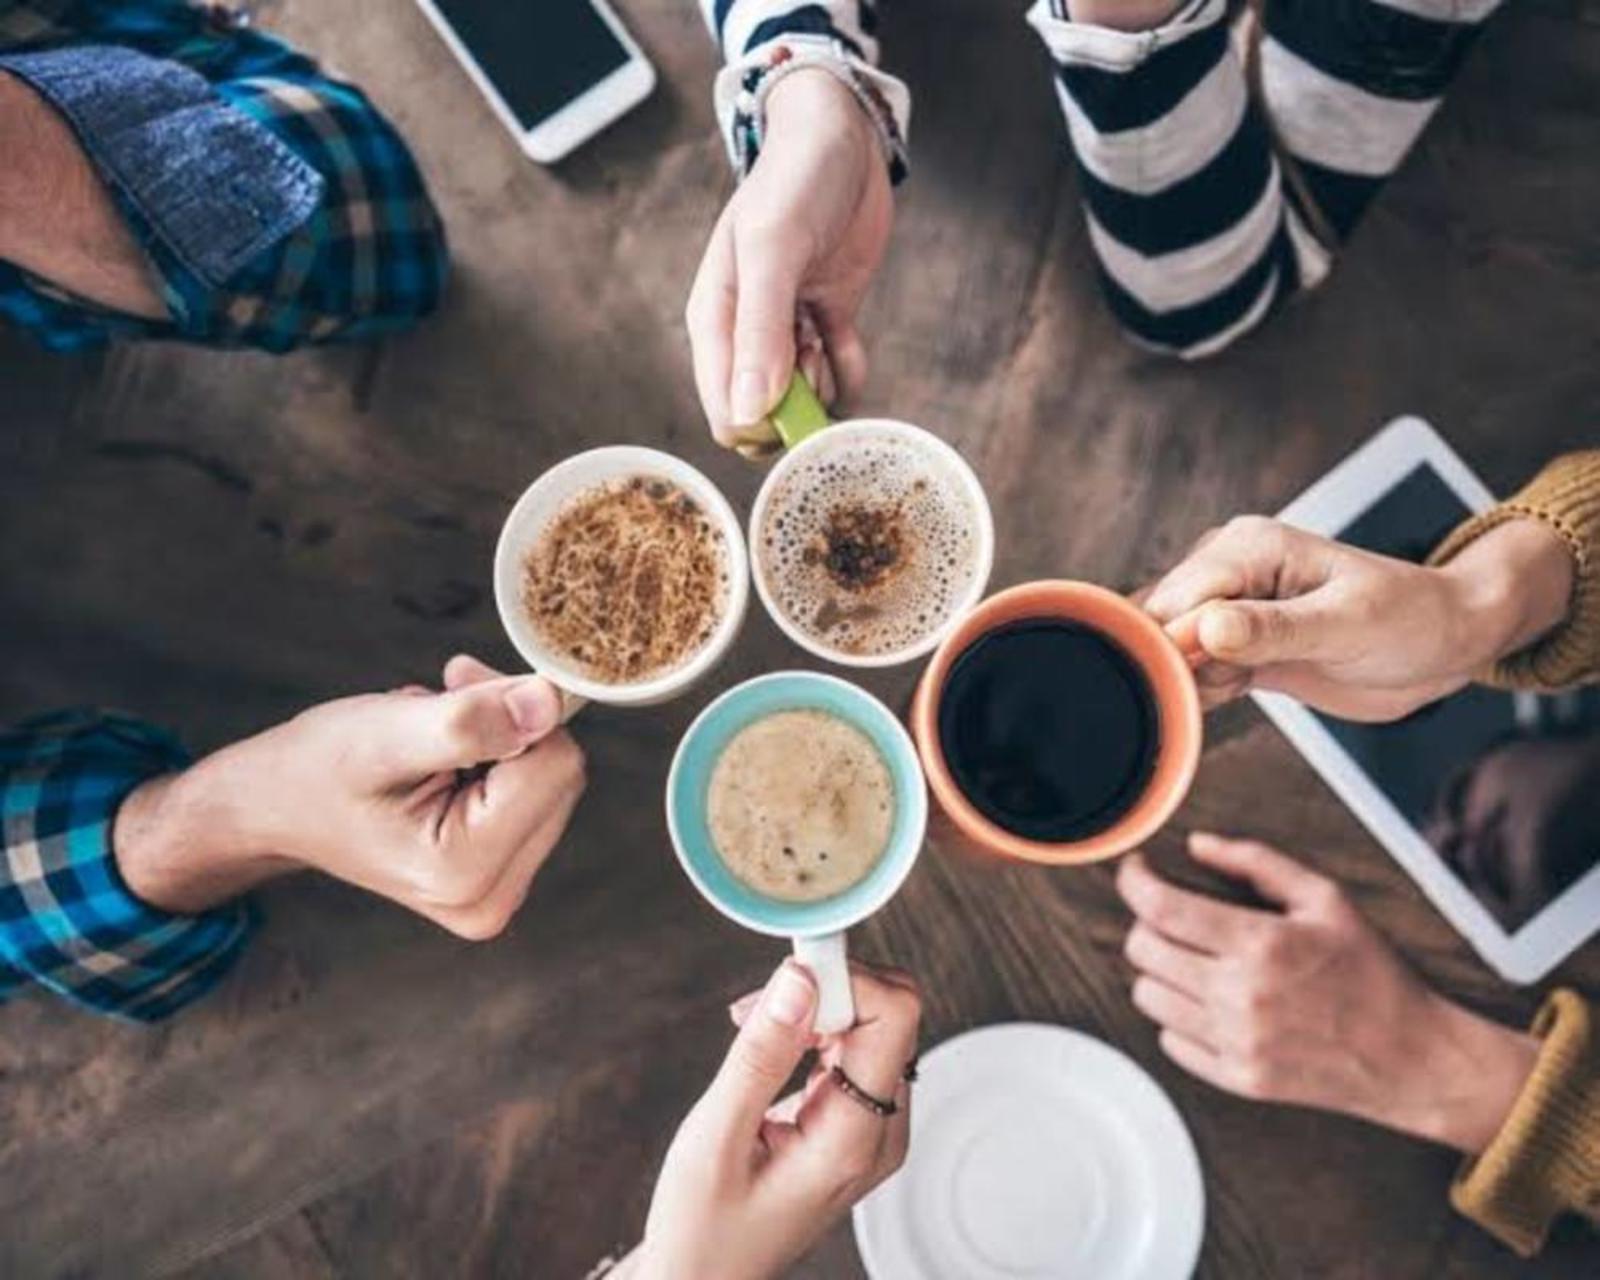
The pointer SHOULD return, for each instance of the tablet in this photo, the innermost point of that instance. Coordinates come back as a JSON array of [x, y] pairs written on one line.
[[1486, 798]]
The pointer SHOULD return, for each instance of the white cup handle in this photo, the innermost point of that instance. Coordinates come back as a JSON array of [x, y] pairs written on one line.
[[828, 961]]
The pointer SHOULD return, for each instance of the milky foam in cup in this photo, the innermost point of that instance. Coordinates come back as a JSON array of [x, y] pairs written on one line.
[[621, 575], [870, 538], [816, 925]]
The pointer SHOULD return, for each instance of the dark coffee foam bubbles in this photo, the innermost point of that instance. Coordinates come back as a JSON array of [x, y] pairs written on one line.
[[870, 545]]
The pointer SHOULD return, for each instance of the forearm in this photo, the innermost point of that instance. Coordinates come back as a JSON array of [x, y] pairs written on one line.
[[57, 219], [1473, 1071], [1561, 507], [179, 840]]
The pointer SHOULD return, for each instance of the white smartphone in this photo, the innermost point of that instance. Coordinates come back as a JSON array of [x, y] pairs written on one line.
[[556, 72]]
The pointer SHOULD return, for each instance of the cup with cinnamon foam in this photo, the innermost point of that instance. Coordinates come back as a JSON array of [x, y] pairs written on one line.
[[621, 575]]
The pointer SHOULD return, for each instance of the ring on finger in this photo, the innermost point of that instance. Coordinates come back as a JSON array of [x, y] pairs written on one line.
[[883, 1108]]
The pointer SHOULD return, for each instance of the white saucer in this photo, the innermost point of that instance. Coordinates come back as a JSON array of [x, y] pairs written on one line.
[[1037, 1153]]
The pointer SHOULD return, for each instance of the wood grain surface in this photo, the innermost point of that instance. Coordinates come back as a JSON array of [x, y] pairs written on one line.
[[216, 540]]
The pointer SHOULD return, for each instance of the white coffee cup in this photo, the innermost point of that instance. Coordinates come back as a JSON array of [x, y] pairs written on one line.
[[543, 500], [801, 424]]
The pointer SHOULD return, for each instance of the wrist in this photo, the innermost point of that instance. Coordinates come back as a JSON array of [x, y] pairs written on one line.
[[817, 101], [19, 176], [1513, 584], [1473, 1069], [179, 846]]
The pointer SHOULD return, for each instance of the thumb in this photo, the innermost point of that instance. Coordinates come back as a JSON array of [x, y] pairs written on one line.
[[769, 1046], [1254, 633], [763, 325], [492, 720]]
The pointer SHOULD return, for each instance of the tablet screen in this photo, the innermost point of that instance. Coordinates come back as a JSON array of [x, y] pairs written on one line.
[[1503, 787]]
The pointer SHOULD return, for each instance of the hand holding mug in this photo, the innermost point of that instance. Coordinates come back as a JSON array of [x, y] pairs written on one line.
[[858, 787], [795, 249], [1358, 635], [1305, 1003], [446, 802], [751, 1182]]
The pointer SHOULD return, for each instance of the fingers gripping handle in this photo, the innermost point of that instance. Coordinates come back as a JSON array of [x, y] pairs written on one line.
[[797, 416], [828, 960]]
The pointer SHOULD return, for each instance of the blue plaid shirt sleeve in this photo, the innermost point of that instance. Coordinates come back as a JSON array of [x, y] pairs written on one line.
[[67, 920], [275, 203]]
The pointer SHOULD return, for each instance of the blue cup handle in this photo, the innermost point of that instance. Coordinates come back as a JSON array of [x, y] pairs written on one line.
[[827, 958]]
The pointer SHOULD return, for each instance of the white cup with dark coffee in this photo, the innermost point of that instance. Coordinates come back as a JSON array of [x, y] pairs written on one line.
[[621, 575], [869, 538]]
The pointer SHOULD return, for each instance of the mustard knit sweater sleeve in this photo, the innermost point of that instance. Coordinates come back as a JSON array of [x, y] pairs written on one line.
[[1545, 1161], [1566, 497]]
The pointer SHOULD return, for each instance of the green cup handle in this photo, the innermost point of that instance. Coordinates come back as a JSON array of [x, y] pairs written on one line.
[[798, 416]]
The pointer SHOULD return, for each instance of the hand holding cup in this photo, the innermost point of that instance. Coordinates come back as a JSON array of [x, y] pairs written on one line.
[[1260, 604], [446, 802], [752, 1180]]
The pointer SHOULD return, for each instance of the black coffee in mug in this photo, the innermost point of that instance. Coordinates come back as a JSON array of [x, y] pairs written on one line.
[[1049, 729]]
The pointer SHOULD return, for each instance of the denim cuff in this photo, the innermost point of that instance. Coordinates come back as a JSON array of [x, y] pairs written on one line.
[[213, 186]]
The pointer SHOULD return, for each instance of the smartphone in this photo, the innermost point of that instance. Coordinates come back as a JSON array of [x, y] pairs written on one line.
[[556, 72]]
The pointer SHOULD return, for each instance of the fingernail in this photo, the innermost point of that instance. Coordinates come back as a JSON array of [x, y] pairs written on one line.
[[749, 401], [809, 362], [1225, 630], [1203, 840], [534, 706], [789, 996]]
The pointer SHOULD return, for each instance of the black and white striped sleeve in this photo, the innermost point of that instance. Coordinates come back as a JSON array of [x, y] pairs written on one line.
[[764, 40], [1350, 86], [1197, 233]]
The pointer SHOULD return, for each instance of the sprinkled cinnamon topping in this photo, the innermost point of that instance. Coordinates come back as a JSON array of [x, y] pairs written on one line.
[[628, 581]]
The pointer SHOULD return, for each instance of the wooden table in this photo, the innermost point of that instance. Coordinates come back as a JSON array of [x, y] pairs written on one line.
[[217, 540]]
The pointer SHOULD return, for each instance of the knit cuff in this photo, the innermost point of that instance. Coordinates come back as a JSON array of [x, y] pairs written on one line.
[[1565, 497], [1545, 1161]]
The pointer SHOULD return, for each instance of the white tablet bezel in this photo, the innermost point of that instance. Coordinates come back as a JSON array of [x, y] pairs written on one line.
[[1327, 507]]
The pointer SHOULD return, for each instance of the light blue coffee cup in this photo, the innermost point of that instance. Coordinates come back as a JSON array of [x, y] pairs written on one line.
[[817, 929]]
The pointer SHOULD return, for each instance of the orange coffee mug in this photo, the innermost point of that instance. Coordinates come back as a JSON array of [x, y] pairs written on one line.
[[955, 821]]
